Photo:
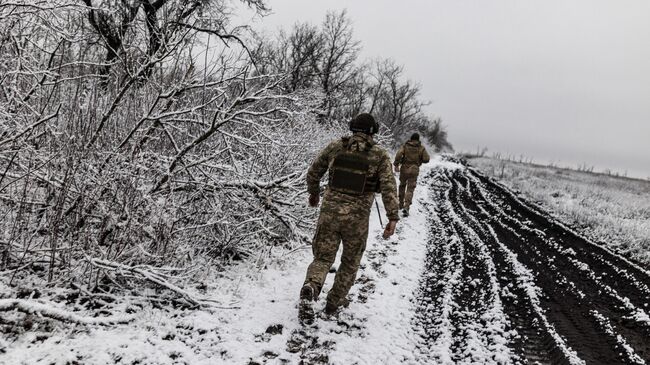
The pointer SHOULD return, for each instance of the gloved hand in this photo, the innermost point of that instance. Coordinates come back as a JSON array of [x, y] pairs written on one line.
[[396, 169], [313, 200], [390, 229]]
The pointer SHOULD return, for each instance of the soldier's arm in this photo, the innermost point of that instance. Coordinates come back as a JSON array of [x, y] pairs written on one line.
[[388, 188], [425, 155], [399, 156], [318, 168]]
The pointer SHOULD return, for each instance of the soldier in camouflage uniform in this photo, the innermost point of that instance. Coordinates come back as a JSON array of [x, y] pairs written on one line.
[[357, 169], [407, 162]]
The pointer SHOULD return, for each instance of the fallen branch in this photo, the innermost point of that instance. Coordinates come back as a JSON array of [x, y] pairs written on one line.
[[49, 311], [149, 275]]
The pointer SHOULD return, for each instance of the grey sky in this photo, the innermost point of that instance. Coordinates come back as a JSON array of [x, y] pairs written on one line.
[[556, 80]]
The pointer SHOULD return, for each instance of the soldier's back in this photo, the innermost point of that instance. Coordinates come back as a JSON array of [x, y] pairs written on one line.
[[356, 203]]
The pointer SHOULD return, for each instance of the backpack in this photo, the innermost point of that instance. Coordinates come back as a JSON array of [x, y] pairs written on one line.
[[412, 155]]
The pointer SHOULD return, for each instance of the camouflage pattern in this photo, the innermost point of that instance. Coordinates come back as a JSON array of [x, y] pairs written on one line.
[[344, 217], [407, 183], [409, 158]]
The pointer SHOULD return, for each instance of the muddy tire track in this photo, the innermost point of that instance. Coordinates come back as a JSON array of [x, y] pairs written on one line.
[[497, 261]]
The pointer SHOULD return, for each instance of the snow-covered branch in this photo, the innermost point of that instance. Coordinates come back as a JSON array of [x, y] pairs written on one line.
[[120, 145], [49, 310], [149, 274]]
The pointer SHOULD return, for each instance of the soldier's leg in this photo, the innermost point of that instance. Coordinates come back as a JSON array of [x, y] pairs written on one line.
[[354, 237], [410, 189], [324, 247], [402, 189]]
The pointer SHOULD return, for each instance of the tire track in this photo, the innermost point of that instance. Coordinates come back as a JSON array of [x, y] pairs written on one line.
[[537, 342], [489, 319], [593, 286], [460, 313], [630, 278], [505, 283], [434, 302]]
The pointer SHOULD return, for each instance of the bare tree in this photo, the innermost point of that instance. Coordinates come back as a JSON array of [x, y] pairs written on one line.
[[191, 156], [121, 24], [296, 52], [394, 101], [322, 59], [337, 66], [325, 60], [436, 135]]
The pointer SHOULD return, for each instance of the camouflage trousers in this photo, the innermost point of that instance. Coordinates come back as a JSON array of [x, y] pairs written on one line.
[[352, 231], [407, 183]]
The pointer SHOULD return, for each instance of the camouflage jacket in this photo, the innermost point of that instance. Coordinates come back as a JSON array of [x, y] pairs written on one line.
[[359, 205], [411, 153], [410, 156]]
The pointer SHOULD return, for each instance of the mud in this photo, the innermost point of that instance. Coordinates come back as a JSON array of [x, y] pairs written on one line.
[[565, 300]]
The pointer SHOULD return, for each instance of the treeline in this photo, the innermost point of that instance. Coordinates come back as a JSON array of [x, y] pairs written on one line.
[[143, 140], [326, 58]]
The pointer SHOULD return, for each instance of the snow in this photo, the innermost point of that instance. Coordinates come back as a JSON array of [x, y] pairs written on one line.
[[440, 162], [621, 341], [49, 310], [256, 320], [613, 211], [388, 336], [525, 279], [256, 297]]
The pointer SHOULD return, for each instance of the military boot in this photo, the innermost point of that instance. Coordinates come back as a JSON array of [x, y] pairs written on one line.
[[333, 308], [308, 294], [405, 212]]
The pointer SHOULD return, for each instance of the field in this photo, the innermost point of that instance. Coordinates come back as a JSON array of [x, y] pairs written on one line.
[[613, 211]]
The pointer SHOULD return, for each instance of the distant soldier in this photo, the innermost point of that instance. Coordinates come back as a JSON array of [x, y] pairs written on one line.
[[407, 162], [358, 168]]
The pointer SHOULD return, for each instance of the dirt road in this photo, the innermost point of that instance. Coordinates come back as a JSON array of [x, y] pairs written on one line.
[[502, 282], [506, 283]]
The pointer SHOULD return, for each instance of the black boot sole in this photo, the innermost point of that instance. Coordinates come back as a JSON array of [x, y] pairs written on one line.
[[307, 293]]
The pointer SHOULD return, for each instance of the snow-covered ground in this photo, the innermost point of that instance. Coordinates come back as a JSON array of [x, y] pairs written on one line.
[[611, 210], [454, 286], [258, 322]]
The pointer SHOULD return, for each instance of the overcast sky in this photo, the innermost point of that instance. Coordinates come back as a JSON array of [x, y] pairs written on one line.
[[557, 80]]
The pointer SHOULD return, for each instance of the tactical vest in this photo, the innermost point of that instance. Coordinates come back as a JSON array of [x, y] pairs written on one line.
[[412, 155], [349, 172]]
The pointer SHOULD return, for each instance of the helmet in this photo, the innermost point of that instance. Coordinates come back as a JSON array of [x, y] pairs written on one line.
[[415, 137], [365, 123]]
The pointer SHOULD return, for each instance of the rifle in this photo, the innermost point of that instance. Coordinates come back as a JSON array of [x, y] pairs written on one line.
[[378, 212]]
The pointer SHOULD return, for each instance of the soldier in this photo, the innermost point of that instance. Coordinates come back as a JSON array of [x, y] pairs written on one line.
[[407, 162], [358, 168]]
